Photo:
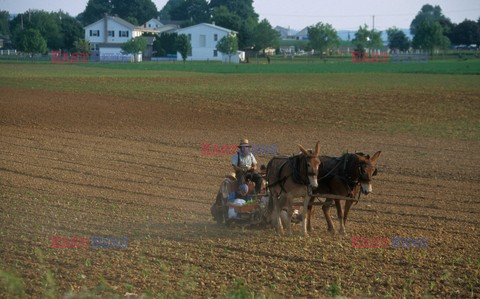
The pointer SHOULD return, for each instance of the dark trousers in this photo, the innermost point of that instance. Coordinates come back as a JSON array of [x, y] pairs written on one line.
[[250, 176]]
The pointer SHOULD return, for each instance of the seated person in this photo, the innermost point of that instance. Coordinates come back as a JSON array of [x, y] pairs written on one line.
[[245, 164], [238, 198], [263, 171]]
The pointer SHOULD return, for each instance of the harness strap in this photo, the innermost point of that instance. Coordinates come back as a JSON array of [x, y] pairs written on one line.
[[280, 181], [330, 172]]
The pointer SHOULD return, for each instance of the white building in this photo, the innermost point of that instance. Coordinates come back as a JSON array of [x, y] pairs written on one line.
[[107, 35], [302, 34], [204, 38], [153, 24]]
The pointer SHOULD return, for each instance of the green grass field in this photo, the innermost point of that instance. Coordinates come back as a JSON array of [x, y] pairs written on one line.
[[305, 67]]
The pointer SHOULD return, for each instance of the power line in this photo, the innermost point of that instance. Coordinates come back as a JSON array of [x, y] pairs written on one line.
[[366, 15]]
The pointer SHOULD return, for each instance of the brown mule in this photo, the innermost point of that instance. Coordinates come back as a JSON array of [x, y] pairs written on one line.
[[289, 178], [346, 176]]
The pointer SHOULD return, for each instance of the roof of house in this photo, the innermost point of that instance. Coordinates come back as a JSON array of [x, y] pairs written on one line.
[[303, 32], [154, 19], [211, 26], [167, 28], [285, 31], [115, 19], [172, 22]]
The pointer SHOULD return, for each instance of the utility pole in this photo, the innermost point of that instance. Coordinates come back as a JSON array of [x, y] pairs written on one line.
[[373, 22]]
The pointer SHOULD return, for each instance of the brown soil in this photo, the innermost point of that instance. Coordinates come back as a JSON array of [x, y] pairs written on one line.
[[82, 165]]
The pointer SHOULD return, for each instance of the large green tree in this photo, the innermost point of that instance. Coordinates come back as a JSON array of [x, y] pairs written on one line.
[[183, 45], [431, 14], [242, 8], [228, 45], [195, 11], [467, 32], [322, 37], [31, 41], [59, 29], [397, 40], [4, 25], [135, 46], [171, 5], [82, 46], [71, 30], [47, 23], [141, 10], [225, 18], [430, 36], [365, 38], [95, 10], [237, 15], [265, 36], [165, 44]]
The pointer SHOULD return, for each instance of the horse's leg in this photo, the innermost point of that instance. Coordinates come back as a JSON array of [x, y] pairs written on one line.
[[276, 215], [326, 212], [338, 205], [348, 205], [287, 219], [286, 215], [305, 222], [309, 216]]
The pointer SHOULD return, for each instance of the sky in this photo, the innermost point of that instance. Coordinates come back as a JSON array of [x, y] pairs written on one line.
[[342, 14]]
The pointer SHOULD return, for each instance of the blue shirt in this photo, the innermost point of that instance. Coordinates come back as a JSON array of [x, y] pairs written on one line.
[[246, 160], [234, 195]]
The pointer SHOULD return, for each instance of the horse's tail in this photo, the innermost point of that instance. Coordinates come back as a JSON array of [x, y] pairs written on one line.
[[269, 167], [270, 203]]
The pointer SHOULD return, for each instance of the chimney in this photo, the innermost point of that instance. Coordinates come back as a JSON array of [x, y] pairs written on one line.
[[105, 28]]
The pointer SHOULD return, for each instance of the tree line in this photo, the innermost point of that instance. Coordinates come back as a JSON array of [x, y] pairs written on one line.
[[38, 31]]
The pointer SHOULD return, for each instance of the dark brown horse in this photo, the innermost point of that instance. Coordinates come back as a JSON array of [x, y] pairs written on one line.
[[347, 175]]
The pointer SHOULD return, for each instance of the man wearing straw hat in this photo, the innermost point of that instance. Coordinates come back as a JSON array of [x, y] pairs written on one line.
[[245, 164]]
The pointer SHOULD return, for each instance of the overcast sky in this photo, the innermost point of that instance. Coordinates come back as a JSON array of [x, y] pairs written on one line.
[[343, 15]]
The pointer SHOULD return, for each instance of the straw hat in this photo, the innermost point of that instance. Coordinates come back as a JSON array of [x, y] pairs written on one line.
[[231, 176], [244, 142]]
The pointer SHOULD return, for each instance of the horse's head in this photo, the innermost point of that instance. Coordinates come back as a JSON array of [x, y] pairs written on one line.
[[366, 171], [313, 162]]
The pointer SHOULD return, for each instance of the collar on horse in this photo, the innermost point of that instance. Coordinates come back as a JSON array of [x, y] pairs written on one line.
[[299, 167], [351, 178]]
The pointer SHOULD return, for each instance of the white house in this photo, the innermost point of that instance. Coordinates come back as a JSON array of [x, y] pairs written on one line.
[[302, 34], [153, 24], [107, 35], [204, 38]]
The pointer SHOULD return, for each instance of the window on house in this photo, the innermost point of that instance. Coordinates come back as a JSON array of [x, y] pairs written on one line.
[[215, 37], [203, 41], [94, 32], [111, 33], [215, 53], [122, 33]]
